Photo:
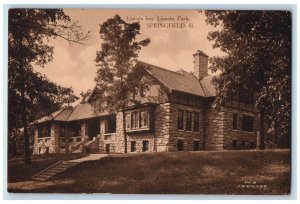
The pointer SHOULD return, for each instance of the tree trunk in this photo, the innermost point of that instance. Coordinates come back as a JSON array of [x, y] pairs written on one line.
[[261, 135], [14, 147], [25, 131], [124, 129]]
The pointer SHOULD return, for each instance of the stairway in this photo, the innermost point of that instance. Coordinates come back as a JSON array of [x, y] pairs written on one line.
[[53, 170]]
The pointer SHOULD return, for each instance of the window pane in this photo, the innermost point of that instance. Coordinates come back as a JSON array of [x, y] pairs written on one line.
[[234, 121], [248, 123], [133, 146], [196, 145], [180, 145], [135, 120], [110, 125], [144, 119], [188, 120], [145, 145], [180, 120], [196, 121], [128, 121]]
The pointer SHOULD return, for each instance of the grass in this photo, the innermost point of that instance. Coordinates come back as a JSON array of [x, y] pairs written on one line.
[[229, 172], [17, 171]]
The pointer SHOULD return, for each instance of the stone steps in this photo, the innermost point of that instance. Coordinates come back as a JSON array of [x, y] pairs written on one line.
[[53, 170]]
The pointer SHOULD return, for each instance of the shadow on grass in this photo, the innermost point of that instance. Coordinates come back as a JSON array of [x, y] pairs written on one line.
[[243, 172]]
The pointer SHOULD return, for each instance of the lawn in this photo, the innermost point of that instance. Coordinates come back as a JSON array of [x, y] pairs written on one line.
[[17, 171], [228, 172]]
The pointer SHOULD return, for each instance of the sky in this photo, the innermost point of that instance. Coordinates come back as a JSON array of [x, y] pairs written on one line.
[[172, 46]]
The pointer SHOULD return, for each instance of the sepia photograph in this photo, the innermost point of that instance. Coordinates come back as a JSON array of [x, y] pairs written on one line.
[[149, 101]]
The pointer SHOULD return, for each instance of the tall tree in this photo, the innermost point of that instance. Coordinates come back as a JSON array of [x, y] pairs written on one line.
[[117, 79], [258, 61], [29, 33]]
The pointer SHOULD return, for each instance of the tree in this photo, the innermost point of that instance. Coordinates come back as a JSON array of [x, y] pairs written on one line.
[[31, 93], [117, 79], [258, 62]]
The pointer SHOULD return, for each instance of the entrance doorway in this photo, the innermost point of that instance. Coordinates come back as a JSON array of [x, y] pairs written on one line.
[[93, 128]]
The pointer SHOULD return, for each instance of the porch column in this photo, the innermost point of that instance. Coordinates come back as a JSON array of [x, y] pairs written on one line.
[[36, 140], [54, 138], [84, 129]]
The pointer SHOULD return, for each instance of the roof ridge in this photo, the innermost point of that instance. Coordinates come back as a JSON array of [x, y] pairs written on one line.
[[72, 112], [174, 72]]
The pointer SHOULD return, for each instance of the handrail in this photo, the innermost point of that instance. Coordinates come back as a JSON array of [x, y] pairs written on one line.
[[46, 169], [91, 142], [75, 147]]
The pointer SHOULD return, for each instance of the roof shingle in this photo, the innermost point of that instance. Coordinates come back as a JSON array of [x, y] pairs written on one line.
[[182, 81]]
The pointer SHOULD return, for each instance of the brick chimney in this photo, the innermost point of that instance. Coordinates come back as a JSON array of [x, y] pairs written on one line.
[[200, 64]]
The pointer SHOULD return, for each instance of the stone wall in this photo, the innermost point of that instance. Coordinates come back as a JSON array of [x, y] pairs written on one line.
[[187, 136], [47, 144], [214, 129], [54, 147], [239, 135], [35, 144], [219, 132], [115, 140], [162, 127]]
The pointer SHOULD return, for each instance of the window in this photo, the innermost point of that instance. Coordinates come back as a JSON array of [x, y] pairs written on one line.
[[44, 131], [110, 125], [128, 121], [133, 146], [180, 120], [234, 121], [234, 144], [247, 123], [107, 148], [180, 145], [136, 120], [144, 119], [196, 121], [196, 145], [75, 129], [62, 130], [145, 145], [189, 120]]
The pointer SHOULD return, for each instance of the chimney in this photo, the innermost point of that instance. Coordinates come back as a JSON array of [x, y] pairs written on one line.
[[200, 64]]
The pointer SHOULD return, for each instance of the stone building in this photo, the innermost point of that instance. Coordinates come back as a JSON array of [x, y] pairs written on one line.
[[176, 114]]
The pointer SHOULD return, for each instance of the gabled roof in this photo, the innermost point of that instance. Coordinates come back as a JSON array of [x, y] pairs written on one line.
[[175, 81], [81, 111], [61, 115], [84, 111], [181, 81]]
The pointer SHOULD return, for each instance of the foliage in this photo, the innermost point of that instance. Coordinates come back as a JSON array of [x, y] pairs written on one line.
[[258, 60], [117, 80], [85, 95], [31, 94]]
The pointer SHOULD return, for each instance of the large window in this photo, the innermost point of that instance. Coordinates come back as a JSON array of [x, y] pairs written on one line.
[[180, 120], [180, 145], [110, 125], [133, 146], [196, 121], [247, 123], [44, 131], [144, 119], [75, 129], [196, 145], [145, 145], [234, 121], [136, 120], [188, 120]]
